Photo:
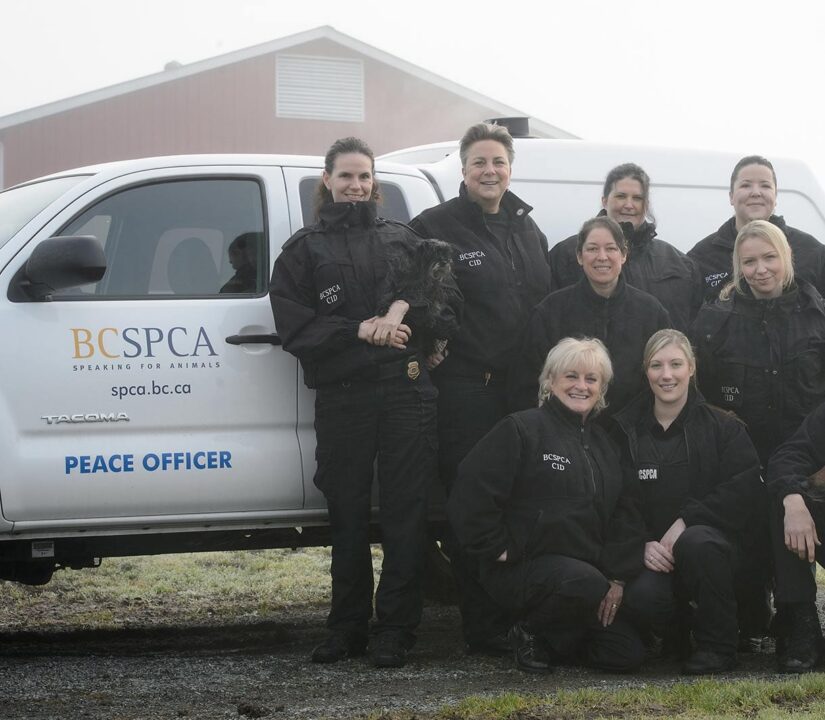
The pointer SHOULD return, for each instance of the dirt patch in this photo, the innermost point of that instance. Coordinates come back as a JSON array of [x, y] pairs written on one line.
[[258, 667]]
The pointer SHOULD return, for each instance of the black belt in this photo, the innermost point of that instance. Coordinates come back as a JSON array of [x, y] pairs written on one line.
[[410, 367]]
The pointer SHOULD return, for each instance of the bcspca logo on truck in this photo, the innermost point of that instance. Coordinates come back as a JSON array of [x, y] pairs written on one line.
[[142, 348]]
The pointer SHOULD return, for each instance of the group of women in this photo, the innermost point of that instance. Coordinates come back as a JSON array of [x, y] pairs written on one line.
[[623, 508]]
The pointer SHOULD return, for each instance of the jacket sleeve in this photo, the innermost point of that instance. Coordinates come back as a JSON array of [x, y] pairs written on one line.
[[479, 497], [738, 493], [304, 332], [802, 455], [623, 551], [522, 379]]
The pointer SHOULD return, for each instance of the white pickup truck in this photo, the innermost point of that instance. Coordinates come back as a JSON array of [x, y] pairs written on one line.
[[147, 405]]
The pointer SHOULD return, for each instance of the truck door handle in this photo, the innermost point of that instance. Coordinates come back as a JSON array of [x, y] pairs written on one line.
[[270, 339]]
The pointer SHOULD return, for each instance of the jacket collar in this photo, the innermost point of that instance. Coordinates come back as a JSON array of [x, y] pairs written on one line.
[[592, 298], [726, 235], [512, 203], [348, 214], [572, 419], [638, 239], [641, 407]]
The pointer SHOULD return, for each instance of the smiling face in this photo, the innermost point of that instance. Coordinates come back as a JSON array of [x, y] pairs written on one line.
[[601, 259], [669, 372], [626, 202], [351, 179], [578, 389], [754, 194], [762, 267], [487, 174]]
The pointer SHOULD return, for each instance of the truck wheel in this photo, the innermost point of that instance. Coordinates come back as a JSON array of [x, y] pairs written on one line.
[[27, 573]]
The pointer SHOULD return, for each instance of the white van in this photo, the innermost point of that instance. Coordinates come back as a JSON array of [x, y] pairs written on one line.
[[563, 181]]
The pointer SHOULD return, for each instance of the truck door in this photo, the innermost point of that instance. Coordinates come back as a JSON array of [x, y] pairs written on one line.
[[135, 397]]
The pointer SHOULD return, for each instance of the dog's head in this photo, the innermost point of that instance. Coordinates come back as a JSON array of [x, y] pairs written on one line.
[[435, 257]]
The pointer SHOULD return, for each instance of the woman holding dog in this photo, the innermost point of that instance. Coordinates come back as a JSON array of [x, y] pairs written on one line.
[[500, 265], [374, 401], [696, 475]]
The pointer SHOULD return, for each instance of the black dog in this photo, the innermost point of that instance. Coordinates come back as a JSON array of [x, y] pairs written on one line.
[[421, 274]]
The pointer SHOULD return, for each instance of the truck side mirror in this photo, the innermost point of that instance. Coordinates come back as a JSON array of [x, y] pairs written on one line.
[[56, 264]]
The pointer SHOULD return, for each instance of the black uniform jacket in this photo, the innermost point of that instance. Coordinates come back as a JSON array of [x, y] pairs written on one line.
[[764, 359], [725, 484], [623, 322], [714, 255], [652, 265], [500, 285], [327, 280], [798, 458], [541, 482]]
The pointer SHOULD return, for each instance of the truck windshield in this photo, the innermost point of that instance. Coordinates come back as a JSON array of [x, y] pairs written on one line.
[[20, 204]]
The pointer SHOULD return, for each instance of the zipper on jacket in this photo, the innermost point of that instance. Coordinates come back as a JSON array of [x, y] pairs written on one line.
[[586, 449]]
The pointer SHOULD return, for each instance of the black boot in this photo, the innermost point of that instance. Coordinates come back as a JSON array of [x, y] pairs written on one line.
[[801, 648], [529, 654]]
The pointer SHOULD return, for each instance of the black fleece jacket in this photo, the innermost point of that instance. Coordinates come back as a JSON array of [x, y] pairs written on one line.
[[764, 359], [652, 265], [714, 256], [328, 279], [799, 457], [499, 284], [725, 484], [623, 322], [542, 482]]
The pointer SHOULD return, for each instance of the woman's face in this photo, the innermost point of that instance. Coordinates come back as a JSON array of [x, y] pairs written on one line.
[[669, 372], [626, 202], [762, 267], [754, 194], [487, 174], [579, 389], [351, 179], [601, 259]]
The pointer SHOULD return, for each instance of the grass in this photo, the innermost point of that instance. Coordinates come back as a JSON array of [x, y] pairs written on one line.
[[171, 589], [799, 699]]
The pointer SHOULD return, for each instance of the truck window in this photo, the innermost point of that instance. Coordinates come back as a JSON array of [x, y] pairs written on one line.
[[180, 238], [18, 205], [393, 206]]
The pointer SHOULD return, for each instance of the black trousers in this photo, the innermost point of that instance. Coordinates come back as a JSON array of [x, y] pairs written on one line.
[[468, 408], [391, 422], [795, 578], [705, 567], [557, 597]]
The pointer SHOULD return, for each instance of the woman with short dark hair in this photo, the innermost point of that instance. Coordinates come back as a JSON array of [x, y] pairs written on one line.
[[500, 265]]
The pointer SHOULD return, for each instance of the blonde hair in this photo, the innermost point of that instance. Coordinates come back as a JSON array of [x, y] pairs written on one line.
[[668, 336], [570, 353], [763, 230]]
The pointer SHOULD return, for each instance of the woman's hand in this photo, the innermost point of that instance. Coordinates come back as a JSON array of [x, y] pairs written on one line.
[[672, 535], [800, 529], [658, 558], [388, 329], [610, 603], [434, 360]]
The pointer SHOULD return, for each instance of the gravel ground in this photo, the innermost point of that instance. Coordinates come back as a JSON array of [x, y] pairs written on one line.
[[259, 667]]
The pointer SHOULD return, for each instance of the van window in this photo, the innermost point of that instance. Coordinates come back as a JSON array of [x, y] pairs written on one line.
[[393, 206], [181, 238]]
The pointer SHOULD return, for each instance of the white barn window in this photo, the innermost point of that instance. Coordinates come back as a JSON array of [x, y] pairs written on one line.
[[319, 88]]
